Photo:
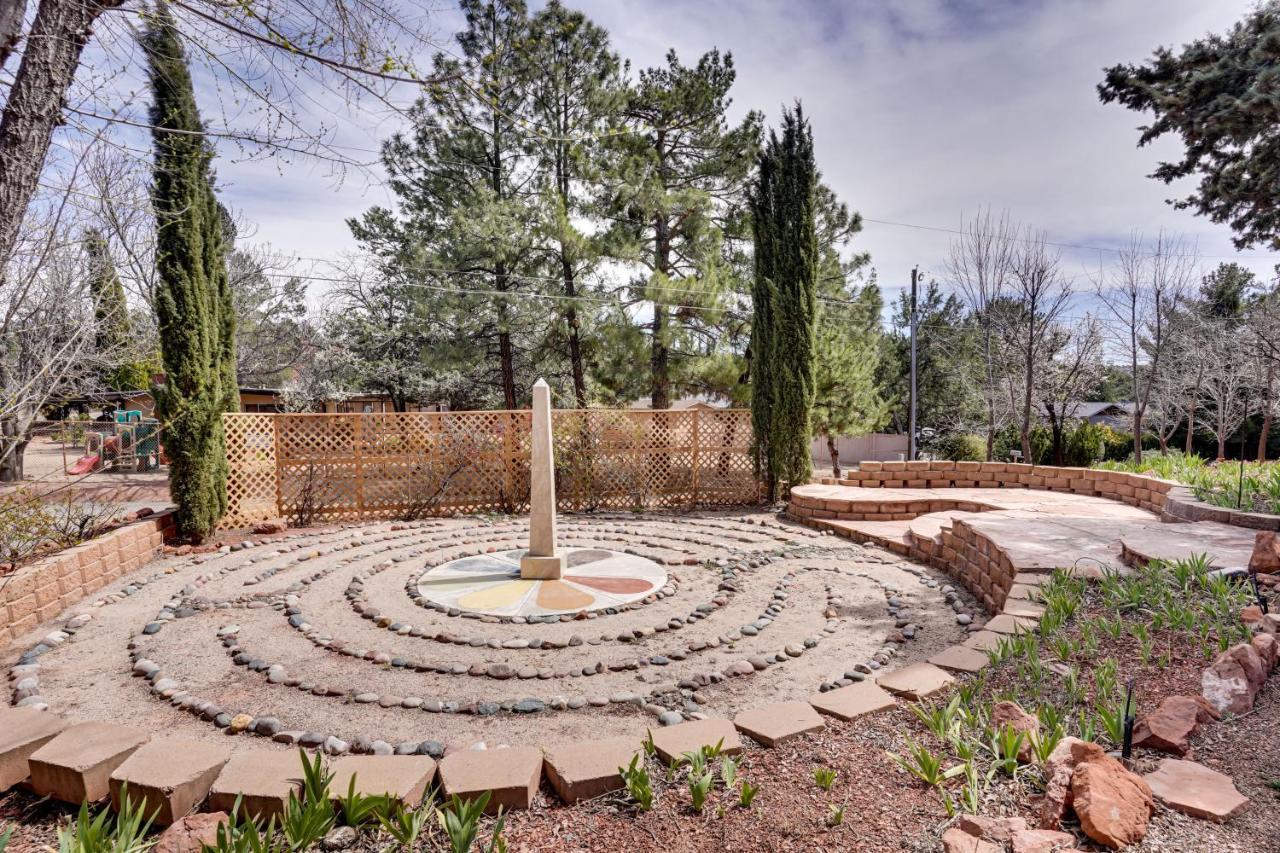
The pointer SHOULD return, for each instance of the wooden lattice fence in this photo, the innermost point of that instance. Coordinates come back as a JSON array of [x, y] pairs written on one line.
[[337, 467]]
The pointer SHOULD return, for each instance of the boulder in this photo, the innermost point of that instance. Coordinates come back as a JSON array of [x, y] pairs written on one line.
[[1268, 650], [1113, 804], [1266, 553], [1169, 727], [992, 828], [1058, 769], [1011, 714], [956, 840], [1232, 681], [266, 528], [1041, 841], [191, 833]]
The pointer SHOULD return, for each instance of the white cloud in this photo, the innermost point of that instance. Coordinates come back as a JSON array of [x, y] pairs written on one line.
[[922, 112]]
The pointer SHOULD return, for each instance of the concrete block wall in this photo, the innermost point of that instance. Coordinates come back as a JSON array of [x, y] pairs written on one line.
[[41, 590]]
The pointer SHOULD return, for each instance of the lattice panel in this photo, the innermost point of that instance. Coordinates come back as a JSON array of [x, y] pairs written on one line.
[[251, 463], [407, 465]]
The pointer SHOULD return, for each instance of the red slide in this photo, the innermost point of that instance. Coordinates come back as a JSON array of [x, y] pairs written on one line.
[[84, 464]]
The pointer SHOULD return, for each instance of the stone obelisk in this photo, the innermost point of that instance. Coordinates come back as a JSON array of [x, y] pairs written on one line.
[[542, 562]]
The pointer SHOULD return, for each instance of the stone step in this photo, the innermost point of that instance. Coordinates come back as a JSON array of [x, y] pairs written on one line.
[[510, 774], [915, 681], [582, 770], [672, 742], [76, 765], [22, 732], [855, 700], [402, 777], [780, 722], [261, 779], [169, 777], [1196, 790]]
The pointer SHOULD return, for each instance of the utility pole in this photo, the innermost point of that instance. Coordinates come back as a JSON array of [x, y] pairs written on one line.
[[911, 411]]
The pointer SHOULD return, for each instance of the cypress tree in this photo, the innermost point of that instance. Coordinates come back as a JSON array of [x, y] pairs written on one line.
[[110, 308], [785, 303], [193, 298]]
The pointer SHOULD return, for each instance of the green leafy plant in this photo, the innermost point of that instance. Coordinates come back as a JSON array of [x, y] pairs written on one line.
[[747, 793], [835, 814], [920, 762], [1005, 744], [405, 825], [358, 809], [460, 820], [824, 777], [729, 773], [105, 832], [636, 779], [699, 789]]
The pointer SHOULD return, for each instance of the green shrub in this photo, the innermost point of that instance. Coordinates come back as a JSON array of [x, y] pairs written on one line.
[[959, 447], [1084, 445]]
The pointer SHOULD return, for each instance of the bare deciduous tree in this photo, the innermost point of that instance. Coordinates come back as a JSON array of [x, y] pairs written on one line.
[[981, 265], [1073, 367], [1142, 295], [1225, 391], [1039, 296]]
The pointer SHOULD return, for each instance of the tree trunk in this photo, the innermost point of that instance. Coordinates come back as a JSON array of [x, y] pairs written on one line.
[[575, 337], [1191, 423], [49, 61], [834, 450], [660, 355], [507, 358], [11, 14], [1137, 435], [1268, 405], [13, 445], [1055, 430]]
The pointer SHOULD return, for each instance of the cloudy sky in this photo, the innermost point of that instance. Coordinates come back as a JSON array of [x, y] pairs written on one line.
[[923, 112]]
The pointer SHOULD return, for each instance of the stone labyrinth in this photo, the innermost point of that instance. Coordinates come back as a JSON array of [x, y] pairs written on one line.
[[365, 638]]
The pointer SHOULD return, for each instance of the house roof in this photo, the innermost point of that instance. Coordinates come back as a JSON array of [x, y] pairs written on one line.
[[696, 402], [1093, 408]]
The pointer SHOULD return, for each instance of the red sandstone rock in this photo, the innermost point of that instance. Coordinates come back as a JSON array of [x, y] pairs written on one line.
[[1268, 650], [1266, 553], [1251, 615], [1114, 805], [266, 528], [1041, 841], [1196, 790], [958, 841], [1058, 769], [1170, 725], [1231, 682], [190, 834], [993, 828], [1011, 714]]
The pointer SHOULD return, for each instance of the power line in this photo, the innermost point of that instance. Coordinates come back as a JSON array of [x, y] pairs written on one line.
[[1083, 246]]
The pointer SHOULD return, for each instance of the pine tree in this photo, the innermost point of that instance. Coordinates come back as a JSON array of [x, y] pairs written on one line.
[[785, 297], [681, 173], [575, 101], [193, 303]]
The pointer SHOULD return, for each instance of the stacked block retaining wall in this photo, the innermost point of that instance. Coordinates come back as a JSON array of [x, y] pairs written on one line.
[[41, 590]]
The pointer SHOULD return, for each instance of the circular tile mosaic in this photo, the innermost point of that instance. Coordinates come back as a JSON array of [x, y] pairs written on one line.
[[594, 579]]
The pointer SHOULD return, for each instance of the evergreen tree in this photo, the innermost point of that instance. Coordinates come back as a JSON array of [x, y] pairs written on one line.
[[785, 298], [110, 312], [1219, 94], [847, 398], [467, 203], [194, 313], [680, 174], [575, 101]]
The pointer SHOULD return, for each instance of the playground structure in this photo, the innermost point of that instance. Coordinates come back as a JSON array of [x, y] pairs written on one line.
[[129, 442]]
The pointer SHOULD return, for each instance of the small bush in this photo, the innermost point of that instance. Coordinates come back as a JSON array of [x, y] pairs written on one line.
[[960, 447]]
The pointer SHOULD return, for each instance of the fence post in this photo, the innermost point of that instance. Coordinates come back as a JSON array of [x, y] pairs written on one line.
[[697, 417], [275, 439], [357, 453]]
